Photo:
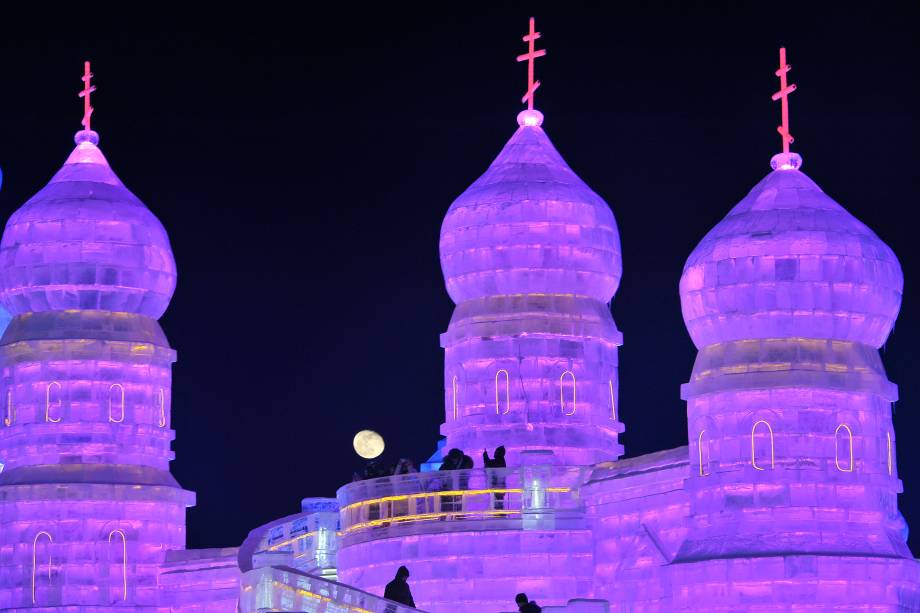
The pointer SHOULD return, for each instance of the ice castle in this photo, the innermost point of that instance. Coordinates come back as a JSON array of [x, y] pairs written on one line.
[[785, 498]]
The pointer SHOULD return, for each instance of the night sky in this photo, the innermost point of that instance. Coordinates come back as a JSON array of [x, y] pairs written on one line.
[[302, 164]]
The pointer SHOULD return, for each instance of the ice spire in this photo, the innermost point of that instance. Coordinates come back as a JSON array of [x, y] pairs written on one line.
[[785, 160], [531, 117], [86, 134]]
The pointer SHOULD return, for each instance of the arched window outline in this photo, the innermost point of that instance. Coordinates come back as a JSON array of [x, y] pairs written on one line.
[[35, 558], [124, 559], [562, 392], [888, 434], [507, 393], [753, 449], [453, 385], [55, 385], [699, 447], [161, 405], [613, 402], [10, 415], [849, 468], [121, 399]]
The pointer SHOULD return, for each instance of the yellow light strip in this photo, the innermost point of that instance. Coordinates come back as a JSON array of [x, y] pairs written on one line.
[[48, 402], [454, 386], [290, 541], [161, 402], [8, 418], [302, 592], [888, 434], [424, 516], [837, 452], [753, 453], [124, 560], [34, 547], [562, 392], [613, 404], [121, 389], [557, 490], [699, 447], [507, 393]]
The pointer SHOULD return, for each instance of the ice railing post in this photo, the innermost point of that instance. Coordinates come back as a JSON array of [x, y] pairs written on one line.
[[536, 511]]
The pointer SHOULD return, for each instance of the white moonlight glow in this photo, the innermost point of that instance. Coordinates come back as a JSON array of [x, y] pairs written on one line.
[[368, 444]]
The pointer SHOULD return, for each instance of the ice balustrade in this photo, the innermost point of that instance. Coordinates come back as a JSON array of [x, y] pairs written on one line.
[[306, 541], [526, 496], [273, 588]]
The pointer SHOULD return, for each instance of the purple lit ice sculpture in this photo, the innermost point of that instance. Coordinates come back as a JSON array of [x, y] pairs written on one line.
[[531, 257], [793, 482], [87, 504]]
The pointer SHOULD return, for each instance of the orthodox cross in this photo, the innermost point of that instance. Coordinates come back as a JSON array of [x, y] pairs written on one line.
[[530, 56], [783, 93], [84, 93]]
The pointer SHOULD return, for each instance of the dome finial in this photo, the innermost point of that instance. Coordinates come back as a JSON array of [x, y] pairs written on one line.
[[532, 85], [86, 134], [789, 160]]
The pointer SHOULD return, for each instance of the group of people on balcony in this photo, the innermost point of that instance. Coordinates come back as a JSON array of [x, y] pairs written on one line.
[[457, 460], [374, 469], [450, 503]]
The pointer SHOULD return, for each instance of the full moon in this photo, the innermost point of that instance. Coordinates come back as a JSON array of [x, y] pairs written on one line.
[[368, 444]]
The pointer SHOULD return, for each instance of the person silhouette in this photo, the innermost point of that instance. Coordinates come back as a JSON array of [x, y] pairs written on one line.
[[496, 477], [526, 606], [398, 590]]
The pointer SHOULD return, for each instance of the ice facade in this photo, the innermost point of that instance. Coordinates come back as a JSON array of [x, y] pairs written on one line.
[[785, 498], [88, 507], [793, 486]]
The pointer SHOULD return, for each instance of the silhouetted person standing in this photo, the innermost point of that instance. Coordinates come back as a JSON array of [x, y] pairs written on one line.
[[452, 461], [398, 590], [496, 478], [526, 606]]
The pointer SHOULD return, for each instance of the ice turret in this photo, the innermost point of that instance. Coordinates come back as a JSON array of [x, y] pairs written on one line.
[[88, 507], [531, 256], [793, 478]]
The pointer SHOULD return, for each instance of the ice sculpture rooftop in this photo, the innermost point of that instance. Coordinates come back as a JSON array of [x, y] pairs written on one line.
[[85, 241], [530, 225], [788, 261]]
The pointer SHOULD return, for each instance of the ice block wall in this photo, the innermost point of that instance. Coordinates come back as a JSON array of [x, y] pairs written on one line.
[[792, 447], [88, 507], [531, 257], [638, 510]]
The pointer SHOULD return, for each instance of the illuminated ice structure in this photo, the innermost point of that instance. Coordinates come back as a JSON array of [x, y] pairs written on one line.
[[88, 508], [793, 483], [784, 500]]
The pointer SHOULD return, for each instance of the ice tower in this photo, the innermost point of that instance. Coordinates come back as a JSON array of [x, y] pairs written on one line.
[[88, 507], [793, 482], [531, 257]]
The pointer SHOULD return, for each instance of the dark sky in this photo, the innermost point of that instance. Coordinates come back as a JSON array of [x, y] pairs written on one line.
[[302, 164]]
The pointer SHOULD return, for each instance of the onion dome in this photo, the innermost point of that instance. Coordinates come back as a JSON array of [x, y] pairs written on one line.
[[530, 225], [86, 242], [788, 261]]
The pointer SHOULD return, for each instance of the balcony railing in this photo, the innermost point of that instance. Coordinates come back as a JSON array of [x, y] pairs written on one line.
[[502, 498], [286, 589]]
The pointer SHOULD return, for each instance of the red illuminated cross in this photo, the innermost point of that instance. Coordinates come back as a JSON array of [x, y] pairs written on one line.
[[530, 56], [783, 93], [87, 90]]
